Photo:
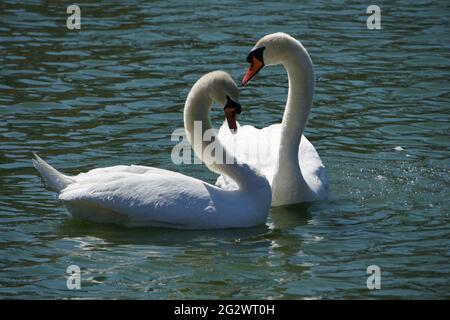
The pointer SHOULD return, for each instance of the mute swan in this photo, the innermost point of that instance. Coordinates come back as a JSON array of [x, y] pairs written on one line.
[[136, 196], [280, 151]]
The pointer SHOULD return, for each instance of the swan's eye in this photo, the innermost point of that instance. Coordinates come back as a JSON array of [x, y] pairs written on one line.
[[257, 53], [231, 104]]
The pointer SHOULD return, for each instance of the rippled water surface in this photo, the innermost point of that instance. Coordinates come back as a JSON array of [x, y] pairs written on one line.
[[113, 92]]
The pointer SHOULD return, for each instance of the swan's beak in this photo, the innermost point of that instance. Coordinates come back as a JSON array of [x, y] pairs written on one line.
[[231, 109], [255, 66], [230, 114]]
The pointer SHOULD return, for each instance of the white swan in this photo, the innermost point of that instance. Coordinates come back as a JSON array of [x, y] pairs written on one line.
[[144, 196], [281, 152]]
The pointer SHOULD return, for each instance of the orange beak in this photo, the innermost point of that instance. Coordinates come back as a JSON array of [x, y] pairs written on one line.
[[230, 114], [254, 68]]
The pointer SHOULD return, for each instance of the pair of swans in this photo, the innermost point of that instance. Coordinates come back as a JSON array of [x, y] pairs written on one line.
[[144, 196]]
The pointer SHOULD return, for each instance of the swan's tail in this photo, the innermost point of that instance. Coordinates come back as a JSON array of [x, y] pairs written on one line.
[[55, 179]]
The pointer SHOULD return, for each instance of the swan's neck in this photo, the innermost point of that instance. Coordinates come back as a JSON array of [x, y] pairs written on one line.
[[300, 71], [196, 114]]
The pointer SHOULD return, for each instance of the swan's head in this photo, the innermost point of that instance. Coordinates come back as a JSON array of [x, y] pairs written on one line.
[[269, 50], [223, 90]]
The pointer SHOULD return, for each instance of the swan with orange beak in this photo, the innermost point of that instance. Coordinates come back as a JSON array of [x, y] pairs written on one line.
[[280, 151], [256, 60]]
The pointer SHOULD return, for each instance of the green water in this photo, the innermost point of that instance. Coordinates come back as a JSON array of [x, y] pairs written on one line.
[[113, 92]]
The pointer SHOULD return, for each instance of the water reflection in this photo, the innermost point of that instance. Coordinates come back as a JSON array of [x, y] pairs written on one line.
[[116, 235]]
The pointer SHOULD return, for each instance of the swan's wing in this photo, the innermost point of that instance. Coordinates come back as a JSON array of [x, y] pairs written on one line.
[[133, 194], [259, 148], [256, 147], [108, 173], [312, 168]]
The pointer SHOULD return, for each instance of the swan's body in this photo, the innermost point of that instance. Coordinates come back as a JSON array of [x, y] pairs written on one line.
[[281, 152], [144, 196], [265, 158]]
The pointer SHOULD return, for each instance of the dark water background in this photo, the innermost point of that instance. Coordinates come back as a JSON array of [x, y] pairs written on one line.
[[113, 92]]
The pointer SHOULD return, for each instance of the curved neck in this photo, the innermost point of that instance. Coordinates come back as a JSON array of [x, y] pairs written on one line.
[[299, 67], [198, 128]]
